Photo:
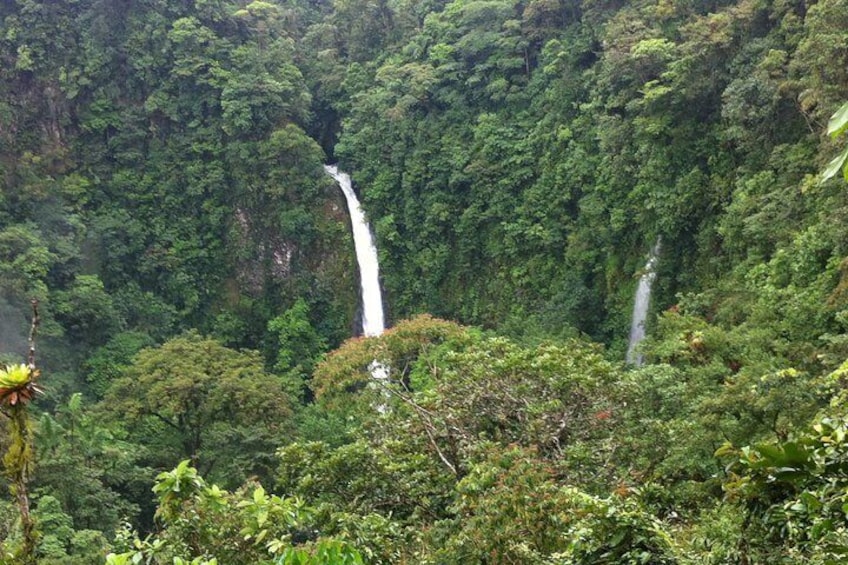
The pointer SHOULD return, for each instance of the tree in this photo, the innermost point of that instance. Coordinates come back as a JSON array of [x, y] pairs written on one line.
[[476, 449], [194, 398], [298, 345], [86, 469], [449, 389], [87, 311]]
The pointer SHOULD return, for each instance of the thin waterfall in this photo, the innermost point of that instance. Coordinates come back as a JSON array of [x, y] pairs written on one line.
[[366, 256], [640, 307], [373, 323]]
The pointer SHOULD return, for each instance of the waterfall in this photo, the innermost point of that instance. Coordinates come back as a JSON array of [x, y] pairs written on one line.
[[640, 306], [366, 257]]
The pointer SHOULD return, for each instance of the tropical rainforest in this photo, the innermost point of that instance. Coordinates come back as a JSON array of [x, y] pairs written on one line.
[[179, 296]]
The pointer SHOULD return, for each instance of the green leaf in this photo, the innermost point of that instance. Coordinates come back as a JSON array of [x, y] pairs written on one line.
[[838, 122], [726, 450], [834, 166]]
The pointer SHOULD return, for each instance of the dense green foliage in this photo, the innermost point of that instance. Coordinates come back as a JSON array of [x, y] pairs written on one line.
[[162, 196]]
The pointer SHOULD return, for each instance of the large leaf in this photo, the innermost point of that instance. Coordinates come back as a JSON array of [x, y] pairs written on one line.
[[835, 165], [838, 122]]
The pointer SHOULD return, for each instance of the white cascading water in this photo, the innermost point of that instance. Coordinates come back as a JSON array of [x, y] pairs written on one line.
[[366, 257], [373, 323], [640, 307]]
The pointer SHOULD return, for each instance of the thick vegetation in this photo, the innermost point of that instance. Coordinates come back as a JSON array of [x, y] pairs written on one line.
[[162, 197]]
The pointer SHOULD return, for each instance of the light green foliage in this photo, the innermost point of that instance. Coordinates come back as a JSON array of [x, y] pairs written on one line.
[[733, 385], [331, 551], [195, 398], [657, 406], [476, 395], [299, 345], [347, 369], [26, 261], [486, 442], [795, 492], [204, 525], [836, 126], [511, 509], [513, 438]]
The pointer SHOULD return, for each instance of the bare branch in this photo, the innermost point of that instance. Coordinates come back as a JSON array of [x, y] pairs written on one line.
[[426, 419], [32, 333]]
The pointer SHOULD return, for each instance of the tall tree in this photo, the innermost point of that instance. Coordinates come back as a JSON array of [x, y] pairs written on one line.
[[193, 398]]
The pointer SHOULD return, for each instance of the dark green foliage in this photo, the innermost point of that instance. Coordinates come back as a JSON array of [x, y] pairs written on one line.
[[107, 363], [160, 171], [60, 543], [87, 469], [156, 165], [87, 311]]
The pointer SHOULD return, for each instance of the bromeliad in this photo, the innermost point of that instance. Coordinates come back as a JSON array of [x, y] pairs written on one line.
[[17, 384]]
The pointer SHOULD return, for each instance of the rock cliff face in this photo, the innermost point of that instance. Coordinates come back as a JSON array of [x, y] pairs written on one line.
[[269, 258], [264, 261]]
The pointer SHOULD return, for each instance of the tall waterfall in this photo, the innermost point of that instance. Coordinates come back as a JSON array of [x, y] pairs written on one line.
[[366, 257], [640, 306]]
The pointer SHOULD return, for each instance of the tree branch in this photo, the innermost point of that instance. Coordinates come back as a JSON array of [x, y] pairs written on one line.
[[426, 419], [166, 420], [32, 333]]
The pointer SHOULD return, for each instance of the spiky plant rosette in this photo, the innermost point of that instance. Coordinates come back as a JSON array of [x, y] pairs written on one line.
[[17, 384]]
